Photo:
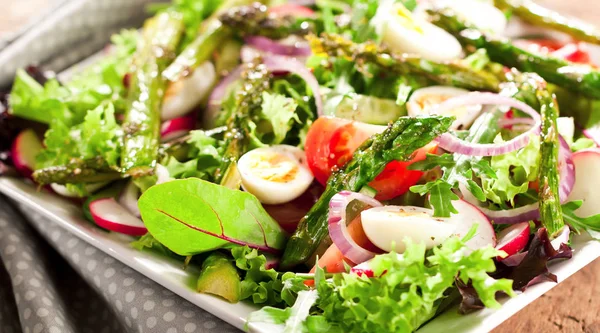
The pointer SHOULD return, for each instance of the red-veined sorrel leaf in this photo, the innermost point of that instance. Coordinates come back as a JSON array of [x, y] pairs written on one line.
[[191, 216]]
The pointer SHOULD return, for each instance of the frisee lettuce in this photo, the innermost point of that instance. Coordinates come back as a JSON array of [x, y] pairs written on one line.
[[405, 293], [513, 172]]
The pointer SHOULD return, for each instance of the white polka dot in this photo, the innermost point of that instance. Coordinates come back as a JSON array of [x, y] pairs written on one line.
[[119, 305], [75, 257], [89, 251], [10, 249], [188, 314], [127, 270], [72, 242], [22, 265], [151, 322], [38, 328], [128, 321], [14, 238], [112, 288], [149, 305], [130, 296], [59, 321], [27, 313], [109, 260], [27, 256], [190, 327], [54, 329], [35, 282], [91, 265], [29, 295], [41, 312], [46, 301], [148, 292], [172, 330], [55, 235], [209, 324], [168, 302], [18, 280], [128, 282], [109, 272], [169, 316], [134, 313]]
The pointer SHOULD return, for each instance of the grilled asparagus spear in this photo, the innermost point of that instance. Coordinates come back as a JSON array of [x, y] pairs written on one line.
[[451, 74], [77, 171], [249, 98], [575, 77], [535, 14], [156, 49], [397, 142]]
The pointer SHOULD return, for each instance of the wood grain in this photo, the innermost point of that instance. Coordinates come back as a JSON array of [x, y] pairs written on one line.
[[573, 305]]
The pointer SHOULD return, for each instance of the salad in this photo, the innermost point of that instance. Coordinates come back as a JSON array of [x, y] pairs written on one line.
[[346, 165]]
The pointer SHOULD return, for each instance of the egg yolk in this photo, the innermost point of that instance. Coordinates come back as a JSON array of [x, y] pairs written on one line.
[[274, 167]]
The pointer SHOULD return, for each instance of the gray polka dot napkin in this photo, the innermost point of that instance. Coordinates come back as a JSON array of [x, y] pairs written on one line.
[[51, 281]]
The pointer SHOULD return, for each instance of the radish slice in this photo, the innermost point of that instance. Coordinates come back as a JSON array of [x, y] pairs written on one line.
[[587, 182], [513, 239], [363, 269], [468, 216], [24, 150], [129, 198], [62, 190], [108, 214], [178, 127]]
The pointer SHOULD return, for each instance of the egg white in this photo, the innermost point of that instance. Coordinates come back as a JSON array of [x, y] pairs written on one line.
[[422, 102], [279, 182], [391, 225]]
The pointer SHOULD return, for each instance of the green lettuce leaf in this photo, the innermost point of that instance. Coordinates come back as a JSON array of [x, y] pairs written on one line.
[[192, 216], [590, 224], [405, 293], [98, 135], [265, 286], [513, 171], [280, 112]]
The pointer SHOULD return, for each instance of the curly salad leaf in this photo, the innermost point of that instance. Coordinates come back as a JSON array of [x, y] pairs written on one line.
[[513, 172], [98, 135], [405, 293], [68, 104], [191, 216]]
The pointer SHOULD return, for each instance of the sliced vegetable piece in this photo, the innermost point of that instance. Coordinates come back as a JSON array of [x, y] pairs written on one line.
[[219, 277], [468, 216], [178, 127], [423, 102], [513, 239], [183, 95], [587, 182], [110, 215], [24, 149]]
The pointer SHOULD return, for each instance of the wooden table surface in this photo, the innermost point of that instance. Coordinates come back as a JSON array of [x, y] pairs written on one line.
[[572, 306]]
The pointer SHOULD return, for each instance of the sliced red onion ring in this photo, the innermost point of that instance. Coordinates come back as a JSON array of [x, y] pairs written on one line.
[[338, 230], [277, 47], [453, 144], [531, 212], [284, 64]]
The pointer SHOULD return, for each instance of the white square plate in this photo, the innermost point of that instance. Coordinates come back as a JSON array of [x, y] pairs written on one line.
[[169, 273]]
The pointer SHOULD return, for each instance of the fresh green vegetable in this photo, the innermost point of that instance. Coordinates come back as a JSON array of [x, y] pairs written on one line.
[[148, 242], [201, 159], [220, 277], [247, 100], [450, 74], [513, 172], [368, 109], [535, 14], [458, 169], [405, 293], [591, 224], [265, 286], [583, 79], [397, 142], [192, 216], [548, 179], [68, 104], [77, 171], [280, 113], [142, 120], [212, 34]]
